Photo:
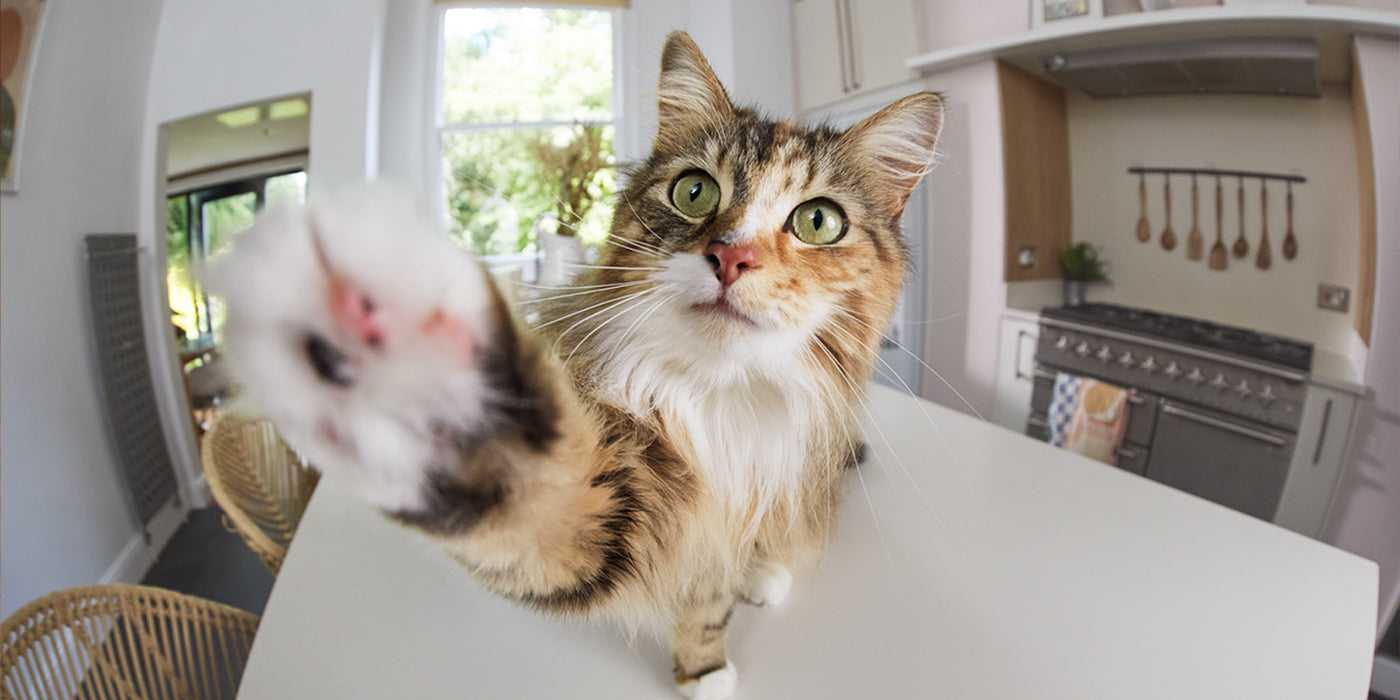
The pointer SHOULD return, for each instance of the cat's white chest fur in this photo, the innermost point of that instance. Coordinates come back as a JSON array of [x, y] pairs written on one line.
[[746, 406]]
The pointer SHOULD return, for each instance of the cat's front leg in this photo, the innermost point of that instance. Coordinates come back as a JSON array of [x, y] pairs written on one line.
[[702, 669]]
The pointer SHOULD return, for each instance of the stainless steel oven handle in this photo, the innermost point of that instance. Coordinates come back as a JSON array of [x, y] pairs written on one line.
[[1039, 373], [1261, 436]]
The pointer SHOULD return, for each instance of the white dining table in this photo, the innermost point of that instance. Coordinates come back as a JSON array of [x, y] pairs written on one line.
[[970, 562]]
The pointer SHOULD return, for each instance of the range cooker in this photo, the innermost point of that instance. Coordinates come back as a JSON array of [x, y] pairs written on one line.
[[1215, 411]]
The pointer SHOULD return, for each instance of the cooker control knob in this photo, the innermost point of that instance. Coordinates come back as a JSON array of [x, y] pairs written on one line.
[[1172, 371], [1082, 349], [1126, 359], [1243, 389], [1219, 381], [1149, 365], [1267, 394], [1104, 354], [1195, 377], [1062, 344]]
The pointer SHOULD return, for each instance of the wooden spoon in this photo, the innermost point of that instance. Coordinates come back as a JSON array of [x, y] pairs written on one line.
[[1219, 256], [1264, 259], [1144, 230], [1241, 247], [1195, 242], [1168, 235], [1290, 243]]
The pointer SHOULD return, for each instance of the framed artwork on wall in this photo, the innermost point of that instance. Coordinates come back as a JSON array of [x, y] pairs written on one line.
[[1053, 12], [21, 22]]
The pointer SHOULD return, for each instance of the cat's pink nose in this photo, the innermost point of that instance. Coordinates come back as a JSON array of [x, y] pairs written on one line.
[[729, 261]]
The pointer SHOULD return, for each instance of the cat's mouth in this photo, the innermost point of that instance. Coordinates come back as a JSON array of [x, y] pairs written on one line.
[[722, 308]]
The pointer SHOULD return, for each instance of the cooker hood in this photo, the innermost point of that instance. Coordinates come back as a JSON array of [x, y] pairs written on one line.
[[1259, 66]]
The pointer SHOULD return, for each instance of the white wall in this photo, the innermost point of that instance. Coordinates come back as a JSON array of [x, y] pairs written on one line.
[[950, 24], [63, 513], [211, 55], [966, 241], [1308, 137], [1366, 516]]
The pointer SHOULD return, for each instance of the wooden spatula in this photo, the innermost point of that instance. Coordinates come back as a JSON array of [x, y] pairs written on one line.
[[1219, 256], [1195, 242], [1241, 247], [1144, 230], [1168, 235], [1290, 243], [1264, 259]]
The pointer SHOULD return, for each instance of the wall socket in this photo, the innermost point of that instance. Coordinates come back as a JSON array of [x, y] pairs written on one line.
[[1025, 257], [1333, 297]]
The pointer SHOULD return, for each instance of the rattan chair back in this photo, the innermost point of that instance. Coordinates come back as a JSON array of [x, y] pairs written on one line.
[[258, 481], [120, 641]]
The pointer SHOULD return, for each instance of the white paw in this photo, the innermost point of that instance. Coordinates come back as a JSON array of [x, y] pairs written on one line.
[[769, 586], [356, 326], [715, 685]]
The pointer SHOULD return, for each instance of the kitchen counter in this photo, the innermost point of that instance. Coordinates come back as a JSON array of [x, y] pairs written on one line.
[[1335, 370], [971, 562]]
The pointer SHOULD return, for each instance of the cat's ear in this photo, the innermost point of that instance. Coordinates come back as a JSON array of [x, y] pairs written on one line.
[[688, 94], [896, 146]]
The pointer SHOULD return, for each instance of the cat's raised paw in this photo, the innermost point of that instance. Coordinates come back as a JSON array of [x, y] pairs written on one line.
[[715, 685], [379, 348]]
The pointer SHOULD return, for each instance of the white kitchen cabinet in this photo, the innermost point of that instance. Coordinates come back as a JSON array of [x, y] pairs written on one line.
[[846, 47], [1323, 437], [1016, 368]]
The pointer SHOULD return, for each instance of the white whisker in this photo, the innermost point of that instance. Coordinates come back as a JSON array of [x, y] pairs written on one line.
[[639, 219], [854, 316], [609, 306], [613, 267], [604, 323], [940, 319], [599, 290], [588, 308], [957, 463], [865, 406]]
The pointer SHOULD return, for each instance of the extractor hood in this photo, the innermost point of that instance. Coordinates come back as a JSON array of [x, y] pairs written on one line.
[[1260, 66]]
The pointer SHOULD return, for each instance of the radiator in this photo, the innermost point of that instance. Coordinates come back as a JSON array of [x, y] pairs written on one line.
[[115, 302]]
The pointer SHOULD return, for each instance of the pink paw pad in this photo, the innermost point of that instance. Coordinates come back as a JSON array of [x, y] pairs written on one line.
[[355, 311], [450, 330]]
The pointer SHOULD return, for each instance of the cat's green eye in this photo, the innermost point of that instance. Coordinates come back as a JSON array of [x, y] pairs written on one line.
[[818, 222], [696, 194]]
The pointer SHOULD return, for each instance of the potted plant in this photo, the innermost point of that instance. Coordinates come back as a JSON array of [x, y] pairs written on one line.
[[1080, 265]]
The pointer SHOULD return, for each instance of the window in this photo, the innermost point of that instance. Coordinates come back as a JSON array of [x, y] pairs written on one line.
[[525, 125], [200, 224]]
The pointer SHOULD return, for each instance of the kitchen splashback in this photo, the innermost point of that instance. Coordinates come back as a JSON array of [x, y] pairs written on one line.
[[1313, 138]]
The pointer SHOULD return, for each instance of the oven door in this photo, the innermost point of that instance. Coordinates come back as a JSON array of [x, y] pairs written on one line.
[[1238, 464]]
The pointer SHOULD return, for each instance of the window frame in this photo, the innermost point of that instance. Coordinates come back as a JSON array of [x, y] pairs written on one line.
[[435, 128], [197, 238]]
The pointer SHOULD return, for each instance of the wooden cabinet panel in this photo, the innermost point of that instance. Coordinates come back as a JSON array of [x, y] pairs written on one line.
[[1035, 151], [1366, 193]]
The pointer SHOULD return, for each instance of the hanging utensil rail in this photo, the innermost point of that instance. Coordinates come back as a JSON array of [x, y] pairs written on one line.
[[1213, 171]]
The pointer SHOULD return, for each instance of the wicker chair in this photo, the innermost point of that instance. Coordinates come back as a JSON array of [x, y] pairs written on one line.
[[258, 481], [124, 641]]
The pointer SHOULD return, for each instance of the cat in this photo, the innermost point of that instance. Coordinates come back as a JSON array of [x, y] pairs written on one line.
[[663, 439]]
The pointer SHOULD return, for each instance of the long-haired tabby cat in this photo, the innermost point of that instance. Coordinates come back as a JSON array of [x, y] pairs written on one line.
[[664, 438]]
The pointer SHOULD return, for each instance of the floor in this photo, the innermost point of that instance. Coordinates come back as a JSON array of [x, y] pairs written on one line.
[[1390, 645], [205, 559]]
